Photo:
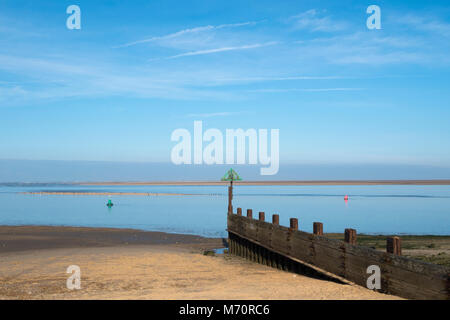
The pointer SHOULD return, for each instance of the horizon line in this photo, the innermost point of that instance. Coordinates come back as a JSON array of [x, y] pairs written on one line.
[[255, 182]]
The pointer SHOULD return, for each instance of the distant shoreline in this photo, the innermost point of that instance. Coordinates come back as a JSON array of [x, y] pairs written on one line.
[[437, 182], [275, 183], [83, 193]]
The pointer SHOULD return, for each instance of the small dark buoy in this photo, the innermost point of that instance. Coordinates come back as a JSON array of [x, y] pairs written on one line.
[[346, 198], [109, 204]]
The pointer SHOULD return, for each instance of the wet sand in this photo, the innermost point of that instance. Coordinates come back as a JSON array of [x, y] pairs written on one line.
[[131, 264], [25, 238]]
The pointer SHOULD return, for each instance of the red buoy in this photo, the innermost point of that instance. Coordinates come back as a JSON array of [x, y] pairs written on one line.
[[345, 197]]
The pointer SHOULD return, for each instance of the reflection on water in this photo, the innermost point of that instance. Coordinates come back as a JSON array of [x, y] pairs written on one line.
[[220, 250], [370, 209]]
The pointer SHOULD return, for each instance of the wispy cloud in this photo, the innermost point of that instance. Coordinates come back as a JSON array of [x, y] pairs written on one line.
[[314, 21], [58, 79], [365, 38], [372, 48], [188, 31], [305, 90], [284, 78], [223, 49], [214, 114], [425, 23], [380, 58]]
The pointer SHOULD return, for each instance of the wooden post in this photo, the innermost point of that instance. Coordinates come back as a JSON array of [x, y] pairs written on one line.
[[262, 216], [252, 251], [276, 219], [318, 228], [290, 265], [394, 245], [249, 251], [278, 262], [273, 259], [245, 242], [239, 211], [230, 199], [239, 247], [350, 236], [284, 263], [293, 224], [249, 213]]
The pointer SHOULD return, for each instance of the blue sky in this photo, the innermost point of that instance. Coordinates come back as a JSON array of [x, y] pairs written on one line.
[[137, 70]]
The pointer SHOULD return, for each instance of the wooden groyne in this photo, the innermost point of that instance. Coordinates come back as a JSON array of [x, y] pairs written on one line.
[[288, 248]]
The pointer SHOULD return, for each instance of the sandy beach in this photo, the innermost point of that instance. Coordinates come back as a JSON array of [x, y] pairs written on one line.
[[131, 264]]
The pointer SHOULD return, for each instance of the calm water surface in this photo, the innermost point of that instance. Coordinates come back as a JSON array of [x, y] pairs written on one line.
[[370, 209]]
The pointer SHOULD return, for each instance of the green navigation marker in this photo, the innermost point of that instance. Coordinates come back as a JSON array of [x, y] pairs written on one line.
[[231, 176]]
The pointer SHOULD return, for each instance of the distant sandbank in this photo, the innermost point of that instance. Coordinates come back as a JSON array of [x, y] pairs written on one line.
[[83, 193], [275, 183]]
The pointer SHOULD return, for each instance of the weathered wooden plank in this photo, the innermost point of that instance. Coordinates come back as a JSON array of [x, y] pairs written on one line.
[[237, 224], [250, 229], [410, 291], [328, 259], [329, 243], [300, 247], [264, 233], [416, 266], [280, 241], [419, 280]]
